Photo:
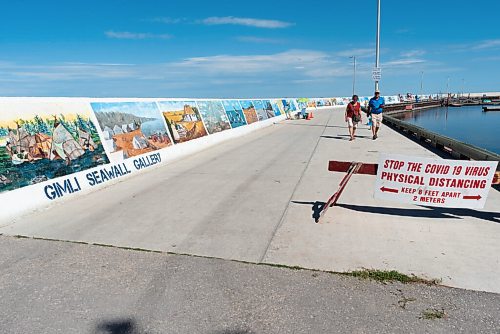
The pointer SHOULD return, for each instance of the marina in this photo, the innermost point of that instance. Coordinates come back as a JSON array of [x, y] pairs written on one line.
[[468, 124]]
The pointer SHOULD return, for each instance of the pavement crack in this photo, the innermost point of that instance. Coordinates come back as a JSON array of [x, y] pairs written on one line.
[[283, 215]]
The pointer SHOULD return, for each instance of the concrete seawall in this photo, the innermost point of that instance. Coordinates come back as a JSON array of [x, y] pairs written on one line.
[[55, 149], [253, 198]]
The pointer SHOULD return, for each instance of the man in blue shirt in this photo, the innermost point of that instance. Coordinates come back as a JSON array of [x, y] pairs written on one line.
[[375, 107]]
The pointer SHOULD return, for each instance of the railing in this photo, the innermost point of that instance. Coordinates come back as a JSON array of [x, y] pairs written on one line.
[[456, 148], [400, 107]]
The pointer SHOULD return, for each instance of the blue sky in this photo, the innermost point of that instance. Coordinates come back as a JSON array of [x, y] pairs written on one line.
[[244, 49]]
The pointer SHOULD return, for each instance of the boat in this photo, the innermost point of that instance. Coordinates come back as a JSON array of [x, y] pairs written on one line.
[[39, 179], [486, 109], [86, 141], [64, 146], [4, 180]]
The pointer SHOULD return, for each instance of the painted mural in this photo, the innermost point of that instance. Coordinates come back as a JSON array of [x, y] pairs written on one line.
[[214, 116], [289, 106], [183, 120], [268, 107], [131, 128], [259, 109], [234, 112], [278, 107], [44, 143], [249, 111]]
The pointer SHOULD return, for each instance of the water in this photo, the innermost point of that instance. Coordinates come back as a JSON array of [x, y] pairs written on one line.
[[153, 127], [468, 124], [22, 175]]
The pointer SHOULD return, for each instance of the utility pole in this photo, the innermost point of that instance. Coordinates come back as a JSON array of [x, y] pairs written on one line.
[[377, 53], [354, 76], [448, 91], [421, 83]]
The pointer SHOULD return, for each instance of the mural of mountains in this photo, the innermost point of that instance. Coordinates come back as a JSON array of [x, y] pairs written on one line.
[[110, 119]]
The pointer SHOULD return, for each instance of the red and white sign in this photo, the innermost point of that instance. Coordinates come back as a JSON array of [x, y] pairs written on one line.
[[434, 182]]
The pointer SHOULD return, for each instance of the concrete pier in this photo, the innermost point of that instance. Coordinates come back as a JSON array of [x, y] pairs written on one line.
[[253, 199]]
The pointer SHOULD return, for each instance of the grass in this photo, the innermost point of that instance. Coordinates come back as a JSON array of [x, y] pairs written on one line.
[[372, 274], [432, 314], [388, 276]]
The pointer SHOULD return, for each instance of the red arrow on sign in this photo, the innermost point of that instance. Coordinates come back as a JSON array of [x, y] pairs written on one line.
[[478, 197], [390, 190]]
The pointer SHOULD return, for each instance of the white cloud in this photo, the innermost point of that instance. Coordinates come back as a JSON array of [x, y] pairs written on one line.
[[245, 21], [168, 20], [282, 61], [71, 71], [260, 40], [413, 53], [487, 44], [135, 35], [403, 62]]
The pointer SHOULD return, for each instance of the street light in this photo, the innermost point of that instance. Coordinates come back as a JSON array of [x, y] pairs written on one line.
[[353, 75], [421, 83], [377, 56]]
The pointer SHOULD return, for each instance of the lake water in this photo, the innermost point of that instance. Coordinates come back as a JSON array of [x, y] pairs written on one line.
[[151, 127], [468, 124], [24, 174]]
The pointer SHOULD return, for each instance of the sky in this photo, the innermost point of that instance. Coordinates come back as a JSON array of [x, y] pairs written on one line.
[[245, 49], [143, 109]]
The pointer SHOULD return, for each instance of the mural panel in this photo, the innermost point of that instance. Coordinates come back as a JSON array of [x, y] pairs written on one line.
[[259, 109], [277, 107], [40, 141], [131, 128], [249, 111], [234, 112], [214, 116], [289, 105], [183, 120], [268, 107]]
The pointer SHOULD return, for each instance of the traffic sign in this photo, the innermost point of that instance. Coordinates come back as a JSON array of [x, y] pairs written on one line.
[[376, 73], [434, 182]]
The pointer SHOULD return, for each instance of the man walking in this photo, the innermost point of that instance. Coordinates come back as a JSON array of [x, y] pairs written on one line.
[[375, 108]]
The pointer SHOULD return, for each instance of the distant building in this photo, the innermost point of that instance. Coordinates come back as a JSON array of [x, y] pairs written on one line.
[[139, 143], [109, 145], [117, 130]]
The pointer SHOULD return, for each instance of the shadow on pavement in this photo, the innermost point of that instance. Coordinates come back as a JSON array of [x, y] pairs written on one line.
[[335, 137], [119, 326], [233, 331], [316, 208], [321, 125], [432, 212]]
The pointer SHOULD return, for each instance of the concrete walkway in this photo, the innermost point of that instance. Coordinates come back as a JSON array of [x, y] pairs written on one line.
[[252, 199], [59, 287]]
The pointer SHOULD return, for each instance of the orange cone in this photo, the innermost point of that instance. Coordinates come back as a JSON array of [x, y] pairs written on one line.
[[312, 116], [308, 116]]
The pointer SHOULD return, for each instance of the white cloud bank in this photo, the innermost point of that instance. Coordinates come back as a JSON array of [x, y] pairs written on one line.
[[246, 21], [135, 35]]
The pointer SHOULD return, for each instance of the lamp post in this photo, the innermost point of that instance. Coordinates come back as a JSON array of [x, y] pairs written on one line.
[[354, 75], [421, 83], [377, 52]]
